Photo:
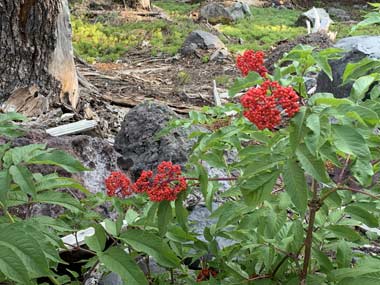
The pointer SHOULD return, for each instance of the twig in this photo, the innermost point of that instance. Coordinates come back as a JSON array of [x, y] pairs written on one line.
[[340, 177]]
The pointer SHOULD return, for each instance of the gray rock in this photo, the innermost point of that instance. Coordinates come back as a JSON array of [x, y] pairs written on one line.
[[94, 153], [111, 279], [339, 14], [317, 16], [200, 40], [216, 13], [368, 45], [220, 55], [136, 139], [356, 49]]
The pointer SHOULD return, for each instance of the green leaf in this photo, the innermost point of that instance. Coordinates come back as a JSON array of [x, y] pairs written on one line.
[[114, 227], [323, 260], [363, 172], [345, 232], [164, 216], [250, 80], [361, 87], [312, 140], [339, 274], [152, 245], [357, 69], [49, 183], [362, 215], [5, 185], [59, 158], [23, 178], [298, 129], [21, 257], [59, 198], [180, 211], [12, 116], [236, 269], [323, 63], [97, 241], [118, 261], [333, 102], [312, 165], [295, 185], [349, 141], [24, 153], [203, 180], [365, 280], [343, 254], [258, 188]]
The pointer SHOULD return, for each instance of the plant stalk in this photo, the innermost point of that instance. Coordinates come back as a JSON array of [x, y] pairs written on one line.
[[314, 207], [6, 212]]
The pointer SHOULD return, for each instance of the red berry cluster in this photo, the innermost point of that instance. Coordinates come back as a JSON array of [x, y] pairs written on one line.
[[164, 186], [252, 61], [265, 104], [118, 184], [205, 274]]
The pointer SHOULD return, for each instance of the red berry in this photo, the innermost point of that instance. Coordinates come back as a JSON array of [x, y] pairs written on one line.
[[251, 61], [118, 184], [263, 105]]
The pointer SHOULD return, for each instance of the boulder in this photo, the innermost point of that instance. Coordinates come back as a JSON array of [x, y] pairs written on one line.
[[339, 14], [94, 153], [318, 17], [200, 40], [218, 13], [356, 49], [137, 140]]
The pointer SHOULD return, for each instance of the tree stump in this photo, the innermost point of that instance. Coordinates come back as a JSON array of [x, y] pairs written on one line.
[[139, 4], [36, 54]]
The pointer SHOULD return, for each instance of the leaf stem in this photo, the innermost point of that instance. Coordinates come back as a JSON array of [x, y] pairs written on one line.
[[6, 212], [54, 281]]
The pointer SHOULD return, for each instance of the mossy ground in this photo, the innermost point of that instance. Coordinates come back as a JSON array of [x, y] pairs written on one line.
[[106, 41]]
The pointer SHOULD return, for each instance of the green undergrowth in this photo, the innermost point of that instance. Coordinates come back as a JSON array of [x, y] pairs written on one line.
[[106, 41], [264, 29], [175, 8], [344, 30], [103, 42]]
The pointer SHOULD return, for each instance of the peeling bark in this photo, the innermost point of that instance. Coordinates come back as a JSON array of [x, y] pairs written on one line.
[[35, 50]]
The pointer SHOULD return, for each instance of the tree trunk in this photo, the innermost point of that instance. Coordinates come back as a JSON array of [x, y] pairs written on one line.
[[37, 65], [139, 4]]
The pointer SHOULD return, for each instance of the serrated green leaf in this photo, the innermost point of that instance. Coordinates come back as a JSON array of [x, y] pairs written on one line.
[[23, 178], [361, 87], [343, 254], [97, 241], [295, 185], [312, 165], [59, 198], [348, 140], [114, 227], [362, 215], [363, 172], [345, 232], [323, 261], [152, 245], [164, 216], [118, 261], [298, 128], [5, 185], [59, 158], [250, 80]]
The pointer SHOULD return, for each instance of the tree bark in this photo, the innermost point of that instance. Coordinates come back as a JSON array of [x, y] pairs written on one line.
[[36, 54], [139, 4]]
